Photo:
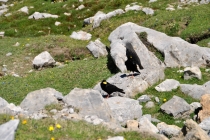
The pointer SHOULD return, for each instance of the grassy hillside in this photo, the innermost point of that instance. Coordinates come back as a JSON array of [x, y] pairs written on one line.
[[81, 69]]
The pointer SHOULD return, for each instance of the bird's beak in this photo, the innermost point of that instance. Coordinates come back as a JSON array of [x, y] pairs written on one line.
[[104, 83]]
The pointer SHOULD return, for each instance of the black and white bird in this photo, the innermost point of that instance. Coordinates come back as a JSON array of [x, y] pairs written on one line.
[[109, 88], [133, 62]]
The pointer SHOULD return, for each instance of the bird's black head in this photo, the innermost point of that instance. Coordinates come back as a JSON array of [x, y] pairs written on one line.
[[104, 82]]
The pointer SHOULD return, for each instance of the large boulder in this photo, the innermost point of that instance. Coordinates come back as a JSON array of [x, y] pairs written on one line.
[[44, 59], [195, 91], [37, 100], [176, 51], [8, 129], [131, 86], [177, 107], [124, 109], [168, 130], [89, 102]]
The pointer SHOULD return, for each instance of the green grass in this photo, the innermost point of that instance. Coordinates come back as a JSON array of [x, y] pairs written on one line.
[[36, 36]]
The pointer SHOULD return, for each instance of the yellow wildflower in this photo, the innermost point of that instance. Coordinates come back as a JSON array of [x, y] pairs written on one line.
[[24, 122], [164, 100], [51, 128], [58, 125], [12, 117], [52, 138]]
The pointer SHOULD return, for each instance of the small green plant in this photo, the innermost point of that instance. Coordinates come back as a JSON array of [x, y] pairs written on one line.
[[53, 106]]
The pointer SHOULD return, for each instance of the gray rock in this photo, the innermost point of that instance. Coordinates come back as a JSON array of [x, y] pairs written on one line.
[[11, 109], [148, 11], [143, 98], [157, 99], [37, 100], [190, 72], [3, 102], [155, 120], [44, 59], [195, 91], [168, 130], [167, 85], [37, 15], [80, 35], [38, 116], [89, 102], [149, 104], [80, 7], [124, 109], [9, 54], [98, 19], [8, 129], [148, 116], [205, 125], [97, 48], [24, 9], [131, 86], [146, 125], [177, 107], [153, 68], [3, 11], [133, 8]]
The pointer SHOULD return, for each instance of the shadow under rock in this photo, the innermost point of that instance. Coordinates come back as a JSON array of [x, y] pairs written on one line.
[[110, 63]]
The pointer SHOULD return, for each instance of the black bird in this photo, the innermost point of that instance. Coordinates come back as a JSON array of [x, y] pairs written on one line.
[[133, 62], [109, 88]]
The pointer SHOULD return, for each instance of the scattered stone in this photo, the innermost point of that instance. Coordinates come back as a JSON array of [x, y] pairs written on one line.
[[143, 98], [44, 59], [205, 112], [167, 85], [38, 15], [9, 54], [149, 104], [80, 7], [37, 100], [148, 11], [124, 109], [150, 1], [97, 48], [8, 129], [57, 23], [146, 125], [2, 34], [81, 35], [195, 91], [177, 107], [157, 99], [67, 14], [16, 44], [133, 8], [24, 9], [168, 130], [190, 72]]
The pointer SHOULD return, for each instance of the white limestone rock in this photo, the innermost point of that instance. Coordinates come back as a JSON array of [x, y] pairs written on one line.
[[167, 85], [81, 35]]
